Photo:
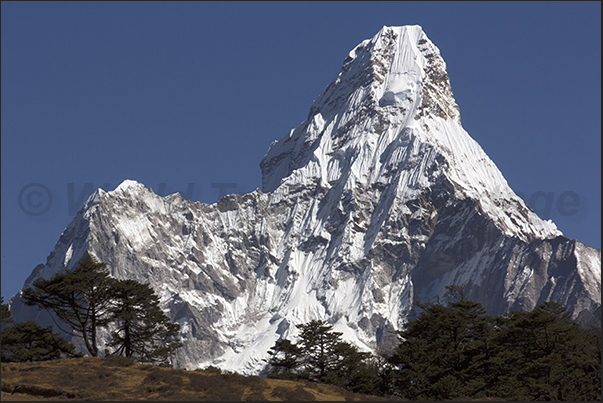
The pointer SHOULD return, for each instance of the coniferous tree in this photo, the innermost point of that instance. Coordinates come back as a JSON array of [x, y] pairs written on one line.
[[544, 355], [6, 317], [80, 298], [456, 351], [28, 341], [87, 298], [318, 343], [353, 369], [321, 355], [284, 360], [443, 350], [143, 330]]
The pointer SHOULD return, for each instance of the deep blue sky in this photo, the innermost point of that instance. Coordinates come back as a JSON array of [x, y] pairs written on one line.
[[195, 92]]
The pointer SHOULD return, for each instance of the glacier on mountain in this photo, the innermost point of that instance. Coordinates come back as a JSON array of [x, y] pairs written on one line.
[[378, 199]]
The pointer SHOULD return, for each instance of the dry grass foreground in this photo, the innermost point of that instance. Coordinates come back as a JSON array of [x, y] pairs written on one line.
[[118, 378]]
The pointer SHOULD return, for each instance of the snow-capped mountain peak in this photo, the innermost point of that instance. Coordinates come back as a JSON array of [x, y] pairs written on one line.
[[378, 199], [129, 185], [390, 112]]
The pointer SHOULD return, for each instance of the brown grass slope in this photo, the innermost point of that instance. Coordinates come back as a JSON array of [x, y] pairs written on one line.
[[118, 378]]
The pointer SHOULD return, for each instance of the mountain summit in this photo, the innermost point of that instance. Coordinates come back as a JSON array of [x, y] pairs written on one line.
[[378, 199]]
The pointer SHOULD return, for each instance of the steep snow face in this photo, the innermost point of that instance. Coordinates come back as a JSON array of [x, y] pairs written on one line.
[[391, 108], [378, 199]]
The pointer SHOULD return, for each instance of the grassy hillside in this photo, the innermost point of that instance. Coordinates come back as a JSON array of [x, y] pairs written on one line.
[[118, 378]]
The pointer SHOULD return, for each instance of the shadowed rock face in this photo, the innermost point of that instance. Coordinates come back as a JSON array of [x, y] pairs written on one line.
[[377, 200]]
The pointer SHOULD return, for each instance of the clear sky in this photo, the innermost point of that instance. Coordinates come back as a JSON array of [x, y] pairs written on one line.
[[194, 93]]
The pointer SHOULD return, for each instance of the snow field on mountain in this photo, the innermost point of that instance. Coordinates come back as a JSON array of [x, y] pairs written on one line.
[[379, 199]]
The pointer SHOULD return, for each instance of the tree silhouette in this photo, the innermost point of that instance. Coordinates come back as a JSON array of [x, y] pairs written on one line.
[[80, 298], [88, 298], [285, 359], [143, 330], [28, 341], [457, 351], [321, 355]]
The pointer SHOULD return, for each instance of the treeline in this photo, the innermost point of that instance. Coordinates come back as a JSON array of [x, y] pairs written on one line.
[[451, 351], [28, 341], [456, 351], [87, 299]]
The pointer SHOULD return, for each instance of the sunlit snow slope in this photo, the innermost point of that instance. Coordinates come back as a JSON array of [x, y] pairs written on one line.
[[378, 199]]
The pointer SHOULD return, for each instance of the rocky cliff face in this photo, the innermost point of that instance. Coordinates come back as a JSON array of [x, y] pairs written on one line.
[[378, 199]]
